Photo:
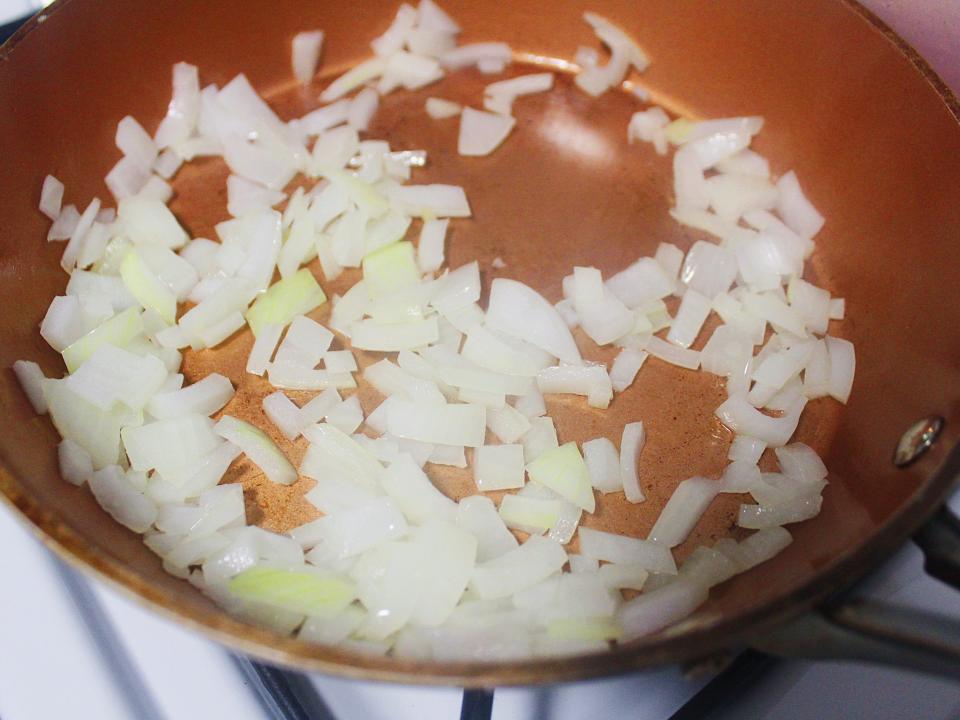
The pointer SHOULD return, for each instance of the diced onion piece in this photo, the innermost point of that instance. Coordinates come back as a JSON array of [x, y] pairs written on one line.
[[741, 417], [842, 367], [354, 77], [614, 548], [281, 411], [478, 516], [441, 425], [592, 381], [562, 469], [709, 269], [837, 308], [204, 397], [390, 269], [603, 465], [263, 348], [640, 283], [118, 330], [775, 311], [435, 201], [541, 436], [498, 467], [307, 593], [76, 465], [147, 288], [668, 352], [683, 510], [64, 225], [121, 500], [51, 197], [473, 53], [333, 452], [519, 311], [656, 609], [363, 108], [258, 446], [523, 567], [747, 449], [631, 444], [31, 379], [430, 247], [291, 296], [305, 53], [530, 515], [693, 312], [371, 335], [802, 463], [482, 132], [438, 108], [147, 221], [791, 510], [625, 368], [411, 490], [795, 209]]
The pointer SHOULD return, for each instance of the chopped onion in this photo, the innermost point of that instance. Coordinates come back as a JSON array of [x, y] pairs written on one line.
[[842, 367], [518, 569], [563, 470], [613, 548], [741, 417], [31, 379], [683, 510], [305, 53], [441, 425], [668, 352], [693, 312], [482, 132], [412, 491], [436, 201], [498, 467], [258, 446], [121, 500], [631, 444], [795, 209], [656, 609], [519, 311], [591, 380], [76, 465], [747, 449], [473, 53], [51, 196], [478, 516], [603, 465], [439, 108]]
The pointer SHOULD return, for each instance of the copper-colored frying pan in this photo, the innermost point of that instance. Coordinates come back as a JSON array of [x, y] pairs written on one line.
[[872, 133]]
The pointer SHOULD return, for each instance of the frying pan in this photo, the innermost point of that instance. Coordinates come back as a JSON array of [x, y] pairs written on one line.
[[871, 131]]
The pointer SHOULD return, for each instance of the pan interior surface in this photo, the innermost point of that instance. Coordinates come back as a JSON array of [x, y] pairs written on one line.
[[874, 145]]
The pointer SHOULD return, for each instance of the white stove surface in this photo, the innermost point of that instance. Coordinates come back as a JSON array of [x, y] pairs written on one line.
[[51, 668]]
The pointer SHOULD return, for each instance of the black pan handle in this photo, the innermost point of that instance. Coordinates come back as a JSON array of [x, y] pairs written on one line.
[[876, 632]]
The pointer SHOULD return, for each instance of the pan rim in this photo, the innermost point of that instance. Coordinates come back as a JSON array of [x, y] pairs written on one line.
[[692, 644]]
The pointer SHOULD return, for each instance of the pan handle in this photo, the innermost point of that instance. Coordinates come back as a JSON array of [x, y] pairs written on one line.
[[877, 632]]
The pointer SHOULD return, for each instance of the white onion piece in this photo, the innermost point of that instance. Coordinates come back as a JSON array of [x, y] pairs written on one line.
[[541, 436], [94, 430], [734, 195], [507, 423], [747, 449], [51, 197], [842, 367], [433, 200], [76, 465], [521, 85], [837, 308], [482, 132], [631, 444], [204, 397], [263, 348], [727, 351], [801, 463], [568, 514], [503, 355], [363, 108], [613, 548], [305, 53], [740, 476], [441, 425], [519, 311], [709, 269], [64, 225], [347, 416], [795, 209], [529, 515], [518, 569], [150, 221], [591, 380], [135, 143], [473, 53], [581, 564], [258, 446], [498, 467], [202, 254], [741, 417], [625, 368], [75, 244], [603, 465], [656, 609], [244, 195], [439, 108], [370, 335], [121, 500], [811, 302], [430, 247], [531, 405], [693, 312], [668, 352], [774, 311], [683, 510], [31, 379], [647, 125], [281, 411], [563, 470], [478, 516], [795, 509], [708, 567], [745, 162], [111, 375], [816, 374], [640, 283], [762, 545], [412, 491], [689, 186]]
